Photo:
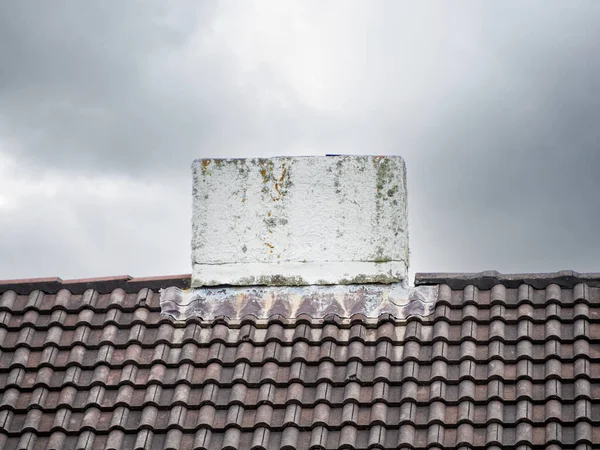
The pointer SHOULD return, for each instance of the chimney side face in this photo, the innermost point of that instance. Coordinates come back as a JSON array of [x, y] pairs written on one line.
[[299, 221]]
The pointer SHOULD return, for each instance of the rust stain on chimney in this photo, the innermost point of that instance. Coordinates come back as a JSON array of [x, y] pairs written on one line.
[[280, 183], [205, 164], [281, 179]]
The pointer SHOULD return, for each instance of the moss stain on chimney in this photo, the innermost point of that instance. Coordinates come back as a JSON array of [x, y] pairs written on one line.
[[358, 197]]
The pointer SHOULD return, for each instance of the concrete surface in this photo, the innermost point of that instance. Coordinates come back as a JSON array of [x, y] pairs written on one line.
[[299, 221]]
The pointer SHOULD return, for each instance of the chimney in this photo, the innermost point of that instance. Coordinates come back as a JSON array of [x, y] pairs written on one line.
[[296, 221], [324, 236]]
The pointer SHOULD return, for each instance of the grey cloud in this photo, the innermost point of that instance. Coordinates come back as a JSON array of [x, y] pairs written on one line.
[[522, 196], [79, 233], [92, 88], [494, 107]]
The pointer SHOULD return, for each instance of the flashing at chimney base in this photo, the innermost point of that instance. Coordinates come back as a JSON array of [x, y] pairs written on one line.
[[262, 302]]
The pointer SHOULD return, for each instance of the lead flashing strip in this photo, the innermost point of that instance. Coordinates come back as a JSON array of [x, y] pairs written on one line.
[[344, 301]]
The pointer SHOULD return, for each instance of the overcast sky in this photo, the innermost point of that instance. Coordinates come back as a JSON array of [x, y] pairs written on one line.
[[103, 105]]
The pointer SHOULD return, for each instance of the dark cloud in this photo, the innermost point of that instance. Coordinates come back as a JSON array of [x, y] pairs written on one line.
[[137, 88], [518, 190], [494, 107], [77, 89]]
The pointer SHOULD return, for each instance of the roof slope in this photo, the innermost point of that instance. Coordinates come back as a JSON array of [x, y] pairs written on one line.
[[94, 368]]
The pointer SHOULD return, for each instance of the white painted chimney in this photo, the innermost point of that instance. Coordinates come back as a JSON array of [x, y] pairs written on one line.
[[317, 220]]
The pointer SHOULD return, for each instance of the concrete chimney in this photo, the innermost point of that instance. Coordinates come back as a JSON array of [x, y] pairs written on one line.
[[294, 221]]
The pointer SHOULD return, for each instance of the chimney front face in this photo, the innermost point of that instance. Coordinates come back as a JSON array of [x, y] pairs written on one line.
[[299, 220]]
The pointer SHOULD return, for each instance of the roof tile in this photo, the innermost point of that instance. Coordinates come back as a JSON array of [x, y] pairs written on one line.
[[103, 368]]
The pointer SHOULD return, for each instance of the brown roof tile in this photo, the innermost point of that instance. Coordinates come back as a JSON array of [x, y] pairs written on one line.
[[93, 365]]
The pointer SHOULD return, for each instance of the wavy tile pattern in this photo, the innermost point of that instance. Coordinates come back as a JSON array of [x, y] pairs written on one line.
[[236, 302], [495, 368]]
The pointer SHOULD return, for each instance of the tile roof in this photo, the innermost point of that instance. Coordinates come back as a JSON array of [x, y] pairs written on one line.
[[97, 366]]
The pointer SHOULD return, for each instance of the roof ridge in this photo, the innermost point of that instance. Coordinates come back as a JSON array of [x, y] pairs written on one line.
[[52, 285], [489, 278], [456, 280]]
